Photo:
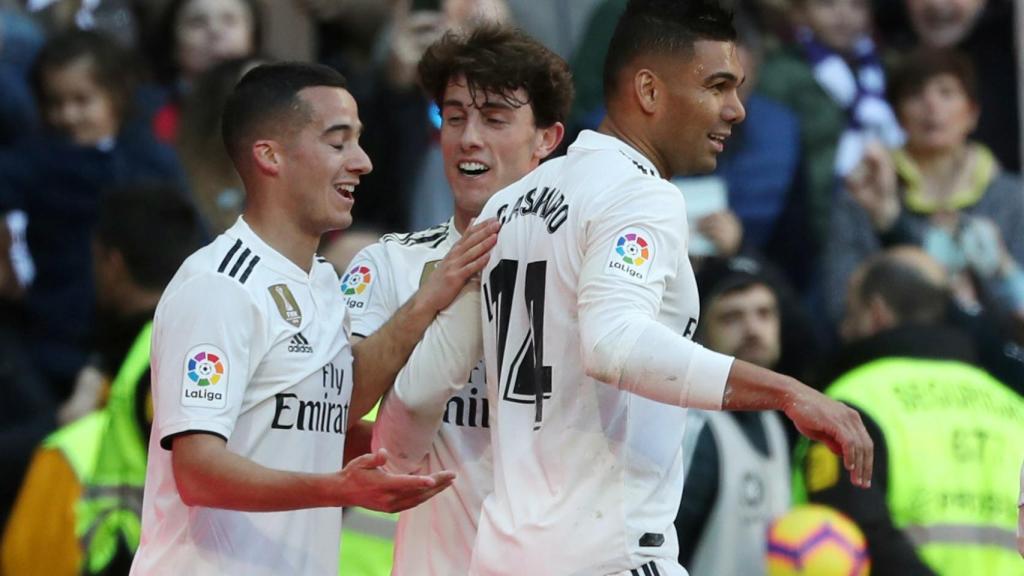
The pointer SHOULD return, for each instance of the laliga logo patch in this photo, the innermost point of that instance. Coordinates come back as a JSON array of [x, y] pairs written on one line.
[[355, 286], [631, 255], [633, 248], [205, 381]]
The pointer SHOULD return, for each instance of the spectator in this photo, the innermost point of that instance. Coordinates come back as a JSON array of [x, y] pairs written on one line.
[[195, 35], [941, 191], [729, 501], [212, 177], [78, 510], [946, 434], [832, 77], [83, 87], [984, 31]]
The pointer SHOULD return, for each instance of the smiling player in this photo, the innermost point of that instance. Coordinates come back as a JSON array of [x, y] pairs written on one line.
[[503, 97], [589, 309]]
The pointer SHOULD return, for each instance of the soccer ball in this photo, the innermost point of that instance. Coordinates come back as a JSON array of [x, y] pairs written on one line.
[[816, 540]]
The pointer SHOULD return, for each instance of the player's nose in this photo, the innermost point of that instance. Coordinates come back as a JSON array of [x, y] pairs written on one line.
[[360, 162], [471, 135]]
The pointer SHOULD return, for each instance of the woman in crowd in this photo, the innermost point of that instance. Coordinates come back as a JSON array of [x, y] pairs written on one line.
[[196, 35], [941, 191]]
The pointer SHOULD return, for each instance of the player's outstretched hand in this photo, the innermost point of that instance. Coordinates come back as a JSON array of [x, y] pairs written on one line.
[[363, 482], [836, 425], [466, 258]]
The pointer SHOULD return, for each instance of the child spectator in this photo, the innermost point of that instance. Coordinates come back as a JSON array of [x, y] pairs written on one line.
[[83, 85], [832, 77]]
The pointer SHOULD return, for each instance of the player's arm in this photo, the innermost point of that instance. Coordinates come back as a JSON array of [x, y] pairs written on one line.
[[411, 413], [358, 439], [379, 358], [208, 474], [820, 418], [624, 344]]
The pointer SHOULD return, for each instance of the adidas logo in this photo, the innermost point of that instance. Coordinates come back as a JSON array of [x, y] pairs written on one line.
[[299, 344]]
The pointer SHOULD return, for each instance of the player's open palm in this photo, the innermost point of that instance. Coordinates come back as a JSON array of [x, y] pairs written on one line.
[[466, 258], [364, 482], [838, 426]]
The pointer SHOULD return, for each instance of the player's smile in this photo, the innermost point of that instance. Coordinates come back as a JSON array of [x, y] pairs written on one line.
[[718, 140], [346, 190], [472, 168]]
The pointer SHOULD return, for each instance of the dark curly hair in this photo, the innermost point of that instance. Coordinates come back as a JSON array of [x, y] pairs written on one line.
[[665, 27], [501, 59]]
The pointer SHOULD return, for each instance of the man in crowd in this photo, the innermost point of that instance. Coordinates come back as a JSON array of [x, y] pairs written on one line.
[[738, 480], [947, 434]]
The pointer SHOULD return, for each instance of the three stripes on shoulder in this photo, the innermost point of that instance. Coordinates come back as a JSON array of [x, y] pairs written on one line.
[[238, 265]]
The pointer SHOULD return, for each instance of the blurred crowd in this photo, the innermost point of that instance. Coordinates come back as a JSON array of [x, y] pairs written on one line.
[[869, 208]]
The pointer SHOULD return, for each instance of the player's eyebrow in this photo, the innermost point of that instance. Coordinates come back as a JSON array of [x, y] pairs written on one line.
[[723, 75], [496, 105], [488, 105], [357, 129]]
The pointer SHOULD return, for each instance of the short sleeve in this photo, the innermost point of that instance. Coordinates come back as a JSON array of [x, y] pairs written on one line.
[[631, 248], [208, 340], [369, 290]]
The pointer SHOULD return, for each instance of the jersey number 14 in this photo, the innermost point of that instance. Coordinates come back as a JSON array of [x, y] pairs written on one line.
[[523, 378]]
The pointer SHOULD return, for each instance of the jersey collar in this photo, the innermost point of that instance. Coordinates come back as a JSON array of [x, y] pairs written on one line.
[[269, 257], [591, 140], [453, 234]]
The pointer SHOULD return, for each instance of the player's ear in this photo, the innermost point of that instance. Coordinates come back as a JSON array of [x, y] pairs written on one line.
[[266, 155], [646, 89], [548, 139]]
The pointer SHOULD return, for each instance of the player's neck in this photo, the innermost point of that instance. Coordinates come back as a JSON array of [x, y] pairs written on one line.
[[623, 132], [282, 234], [461, 220]]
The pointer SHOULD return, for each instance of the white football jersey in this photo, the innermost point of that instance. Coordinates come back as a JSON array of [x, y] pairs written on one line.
[[249, 347], [587, 477], [437, 536]]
